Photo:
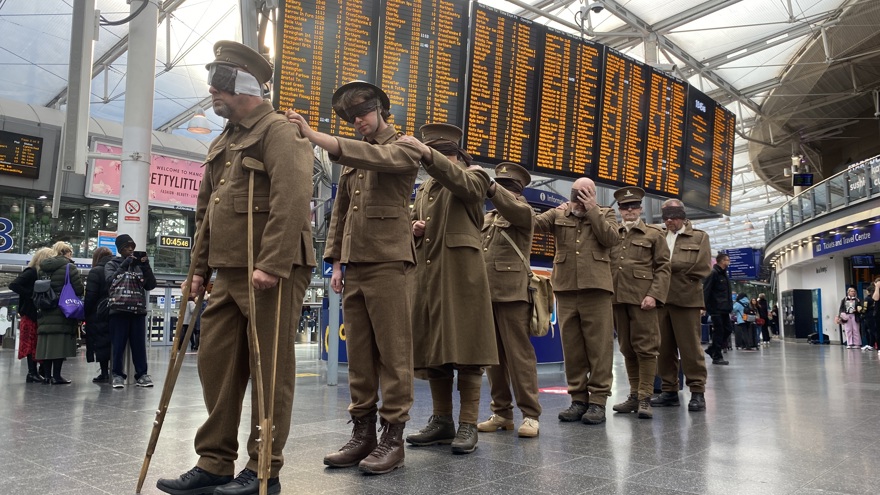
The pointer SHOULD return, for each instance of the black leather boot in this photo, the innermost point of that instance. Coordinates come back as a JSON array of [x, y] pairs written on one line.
[[362, 442], [466, 439], [574, 412], [666, 399], [196, 481], [440, 429], [247, 483], [389, 454]]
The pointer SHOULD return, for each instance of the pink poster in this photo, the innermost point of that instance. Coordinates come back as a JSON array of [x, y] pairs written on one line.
[[174, 182]]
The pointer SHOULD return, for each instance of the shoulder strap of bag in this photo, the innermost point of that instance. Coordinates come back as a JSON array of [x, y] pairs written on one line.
[[67, 274], [518, 252]]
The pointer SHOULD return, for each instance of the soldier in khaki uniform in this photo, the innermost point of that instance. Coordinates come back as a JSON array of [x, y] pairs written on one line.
[[370, 234], [585, 234], [640, 265], [509, 286], [452, 313], [680, 315], [254, 139]]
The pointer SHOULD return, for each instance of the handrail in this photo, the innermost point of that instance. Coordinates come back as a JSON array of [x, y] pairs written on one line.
[[859, 182]]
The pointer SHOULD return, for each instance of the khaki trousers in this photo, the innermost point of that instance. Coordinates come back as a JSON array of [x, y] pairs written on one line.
[[517, 364], [638, 335], [680, 334], [377, 310], [225, 366], [585, 319]]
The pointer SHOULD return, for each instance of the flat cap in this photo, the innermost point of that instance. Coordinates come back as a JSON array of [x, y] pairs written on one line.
[[242, 56], [447, 132], [629, 194], [510, 170]]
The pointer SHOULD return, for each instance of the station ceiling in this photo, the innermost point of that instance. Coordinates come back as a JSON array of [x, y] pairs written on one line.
[[797, 73]]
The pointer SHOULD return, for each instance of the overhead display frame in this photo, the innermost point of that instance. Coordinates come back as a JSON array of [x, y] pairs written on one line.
[[557, 104], [20, 154], [323, 45], [569, 104], [502, 87], [622, 123], [422, 61]]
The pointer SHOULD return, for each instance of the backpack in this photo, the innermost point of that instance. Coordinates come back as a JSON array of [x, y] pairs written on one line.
[[127, 293], [44, 295], [541, 297]]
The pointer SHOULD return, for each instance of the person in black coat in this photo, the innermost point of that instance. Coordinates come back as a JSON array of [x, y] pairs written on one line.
[[128, 327], [23, 285], [717, 298], [97, 315]]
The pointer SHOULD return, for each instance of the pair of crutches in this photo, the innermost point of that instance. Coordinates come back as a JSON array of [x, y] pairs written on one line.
[[266, 409]]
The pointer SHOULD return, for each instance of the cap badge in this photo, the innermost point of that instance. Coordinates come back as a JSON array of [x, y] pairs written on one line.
[[502, 170], [628, 194]]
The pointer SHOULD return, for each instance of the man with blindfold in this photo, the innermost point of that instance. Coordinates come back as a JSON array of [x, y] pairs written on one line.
[[680, 315], [452, 311], [255, 141], [641, 280], [371, 235], [509, 285], [584, 234]]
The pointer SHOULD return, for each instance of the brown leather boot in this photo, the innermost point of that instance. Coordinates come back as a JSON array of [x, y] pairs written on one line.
[[363, 441], [389, 454]]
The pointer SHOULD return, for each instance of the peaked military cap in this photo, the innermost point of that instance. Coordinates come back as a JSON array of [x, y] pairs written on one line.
[[242, 56], [510, 170], [629, 194]]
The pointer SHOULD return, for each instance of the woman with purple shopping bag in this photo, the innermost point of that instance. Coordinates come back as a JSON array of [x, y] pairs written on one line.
[[57, 332]]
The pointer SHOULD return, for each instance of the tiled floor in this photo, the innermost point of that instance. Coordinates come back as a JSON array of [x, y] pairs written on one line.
[[791, 418]]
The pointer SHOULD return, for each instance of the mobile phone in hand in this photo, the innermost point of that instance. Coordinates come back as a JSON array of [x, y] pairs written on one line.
[[139, 255]]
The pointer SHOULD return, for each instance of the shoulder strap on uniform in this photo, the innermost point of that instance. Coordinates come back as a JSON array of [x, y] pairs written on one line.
[[518, 252]]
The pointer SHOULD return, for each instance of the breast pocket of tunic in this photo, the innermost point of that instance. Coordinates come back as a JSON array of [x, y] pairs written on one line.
[[565, 230], [641, 249]]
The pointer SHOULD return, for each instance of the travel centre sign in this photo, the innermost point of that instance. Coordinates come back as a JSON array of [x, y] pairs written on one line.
[[848, 239]]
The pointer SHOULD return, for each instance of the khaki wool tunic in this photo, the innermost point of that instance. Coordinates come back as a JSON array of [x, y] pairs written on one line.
[[452, 312]]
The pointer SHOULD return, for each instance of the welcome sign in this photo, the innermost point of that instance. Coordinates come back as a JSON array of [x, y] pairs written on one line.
[[848, 239]]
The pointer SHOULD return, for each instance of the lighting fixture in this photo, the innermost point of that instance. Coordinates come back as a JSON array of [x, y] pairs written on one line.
[[42, 197], [14, 208], [199, 124]]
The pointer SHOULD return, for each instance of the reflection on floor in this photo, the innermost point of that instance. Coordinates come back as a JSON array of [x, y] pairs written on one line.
[[791, 418]]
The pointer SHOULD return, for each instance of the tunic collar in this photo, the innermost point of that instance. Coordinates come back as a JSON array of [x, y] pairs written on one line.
[[385, 136]]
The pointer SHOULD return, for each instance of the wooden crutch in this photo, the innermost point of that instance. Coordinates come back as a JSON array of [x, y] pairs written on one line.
[[176, 360], [266, 409]]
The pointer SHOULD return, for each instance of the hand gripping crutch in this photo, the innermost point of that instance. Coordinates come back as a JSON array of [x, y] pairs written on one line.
[[176, 360]]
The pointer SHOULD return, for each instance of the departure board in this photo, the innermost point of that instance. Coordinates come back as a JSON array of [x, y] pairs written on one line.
[[543, 245], [622, 124], [664, 142], [323, 45], [502, 87], [20, 154], [698, 149], [422, 61], [723, 135], [569, 104]]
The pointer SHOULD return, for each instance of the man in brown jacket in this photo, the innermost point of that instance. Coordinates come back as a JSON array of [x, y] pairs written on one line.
[[680, 316], [584, 233], [509, 286], [452, 313], [259, 142], [641, 278], [370, 233]]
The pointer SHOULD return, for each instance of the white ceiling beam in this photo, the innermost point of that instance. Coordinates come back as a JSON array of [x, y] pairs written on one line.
[[761, 44], [633, 20], [692, 14], [116, 51]]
